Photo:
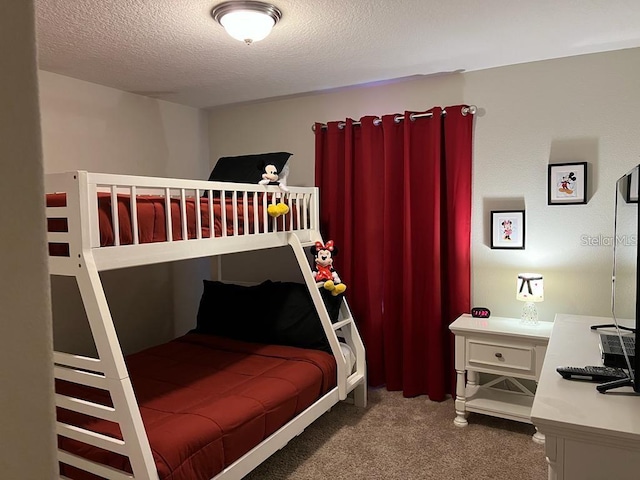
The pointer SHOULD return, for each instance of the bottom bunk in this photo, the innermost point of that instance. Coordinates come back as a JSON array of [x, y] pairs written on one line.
[[215, 402], [205, 401]]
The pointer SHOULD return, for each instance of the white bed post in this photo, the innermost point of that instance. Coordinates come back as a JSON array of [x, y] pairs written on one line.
[[110, 354]]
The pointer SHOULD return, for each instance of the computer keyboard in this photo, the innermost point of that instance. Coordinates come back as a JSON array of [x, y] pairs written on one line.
[[612, 353], [592, 373]]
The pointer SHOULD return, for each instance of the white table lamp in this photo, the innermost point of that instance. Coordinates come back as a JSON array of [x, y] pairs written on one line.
[[530, 290]]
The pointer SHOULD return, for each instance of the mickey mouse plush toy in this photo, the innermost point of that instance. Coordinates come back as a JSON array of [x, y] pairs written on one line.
[[323, 272], [272, 177]]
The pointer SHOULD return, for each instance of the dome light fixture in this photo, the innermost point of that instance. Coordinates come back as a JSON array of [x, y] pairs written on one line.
[[247, 21]]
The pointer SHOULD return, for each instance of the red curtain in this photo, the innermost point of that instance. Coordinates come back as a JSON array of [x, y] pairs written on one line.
[[396, 198]]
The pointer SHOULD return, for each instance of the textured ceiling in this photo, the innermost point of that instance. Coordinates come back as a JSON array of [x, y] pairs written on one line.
[[174, 50]]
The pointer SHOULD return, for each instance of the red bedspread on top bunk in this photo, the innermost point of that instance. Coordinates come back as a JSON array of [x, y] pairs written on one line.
[[152, 225], [205, 401]]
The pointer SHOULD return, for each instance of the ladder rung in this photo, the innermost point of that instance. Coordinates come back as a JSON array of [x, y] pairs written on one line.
[[92, 438], [86, 407], [353, 380], [92, 467], [339, 325], [81, 377]]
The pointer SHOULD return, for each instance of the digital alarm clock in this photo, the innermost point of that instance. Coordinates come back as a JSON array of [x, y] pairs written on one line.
[[480, 312]]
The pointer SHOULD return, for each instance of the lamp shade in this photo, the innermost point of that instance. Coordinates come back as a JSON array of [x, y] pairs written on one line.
[[247, 21], [530, 287]]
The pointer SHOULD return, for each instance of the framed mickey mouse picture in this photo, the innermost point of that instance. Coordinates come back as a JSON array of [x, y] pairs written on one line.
[[567, 184], [507, 229]]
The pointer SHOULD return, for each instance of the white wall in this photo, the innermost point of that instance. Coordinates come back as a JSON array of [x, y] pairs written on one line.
[[27, 439], [576, 109], [91, 127]]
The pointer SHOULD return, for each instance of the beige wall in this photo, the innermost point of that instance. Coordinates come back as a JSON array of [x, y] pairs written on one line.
[[576, 109], [91, 127], [27, 440]]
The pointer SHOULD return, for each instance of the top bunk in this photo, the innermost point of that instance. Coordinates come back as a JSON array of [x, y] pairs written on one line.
[[119, 221]]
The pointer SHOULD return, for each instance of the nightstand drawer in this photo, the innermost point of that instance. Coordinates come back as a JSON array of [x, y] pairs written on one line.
[[499, 356]]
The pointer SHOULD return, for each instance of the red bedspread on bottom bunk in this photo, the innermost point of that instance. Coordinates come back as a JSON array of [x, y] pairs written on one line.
[[205, 401]]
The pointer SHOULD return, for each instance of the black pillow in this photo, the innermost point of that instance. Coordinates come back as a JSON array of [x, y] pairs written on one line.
[[247, 168], [233, 311], [294, 317], [280, 313]]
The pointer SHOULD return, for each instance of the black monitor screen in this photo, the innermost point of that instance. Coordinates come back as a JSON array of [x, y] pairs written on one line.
[[624, 298]]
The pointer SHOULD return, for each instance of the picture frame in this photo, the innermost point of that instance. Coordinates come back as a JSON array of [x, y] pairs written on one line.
[[631, 195], [508, 229], [567, 183]]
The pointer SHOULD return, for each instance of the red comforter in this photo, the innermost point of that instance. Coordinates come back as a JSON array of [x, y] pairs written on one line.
[[152, 219], [205, 401]]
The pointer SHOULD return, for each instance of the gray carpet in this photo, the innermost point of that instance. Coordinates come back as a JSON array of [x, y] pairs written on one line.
[[408, 439]]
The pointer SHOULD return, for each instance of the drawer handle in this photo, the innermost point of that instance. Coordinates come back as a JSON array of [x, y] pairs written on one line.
[[498, 355]]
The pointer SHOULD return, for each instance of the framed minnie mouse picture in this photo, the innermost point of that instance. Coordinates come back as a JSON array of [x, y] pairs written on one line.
[[507, 229], [567, 184]]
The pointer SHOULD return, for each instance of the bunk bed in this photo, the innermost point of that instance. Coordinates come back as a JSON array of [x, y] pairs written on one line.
[[200, 406]]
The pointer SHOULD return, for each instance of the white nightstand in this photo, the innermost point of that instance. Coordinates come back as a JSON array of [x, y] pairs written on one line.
[[503, 347]]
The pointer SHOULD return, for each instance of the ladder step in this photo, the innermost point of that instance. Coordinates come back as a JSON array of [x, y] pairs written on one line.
[[92, 467], [86, 407], [342, 323], [354, 380], [92, 438]]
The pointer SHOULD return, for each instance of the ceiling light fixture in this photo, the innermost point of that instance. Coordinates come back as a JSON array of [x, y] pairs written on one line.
[[247, 21]]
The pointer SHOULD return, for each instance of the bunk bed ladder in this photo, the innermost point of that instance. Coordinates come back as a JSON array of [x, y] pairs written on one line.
[[348, 382], [107, 372]]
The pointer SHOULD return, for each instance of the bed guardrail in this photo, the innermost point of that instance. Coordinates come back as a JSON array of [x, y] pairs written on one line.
[[233, 215]]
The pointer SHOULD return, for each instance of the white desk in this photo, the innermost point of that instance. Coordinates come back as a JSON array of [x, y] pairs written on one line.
[[589, 435], [503, 347]]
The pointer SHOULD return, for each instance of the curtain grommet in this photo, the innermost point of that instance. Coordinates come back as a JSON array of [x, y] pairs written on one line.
[[472, 109]]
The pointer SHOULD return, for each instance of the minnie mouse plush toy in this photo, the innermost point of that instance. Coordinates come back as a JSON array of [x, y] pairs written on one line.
[[323, 272]]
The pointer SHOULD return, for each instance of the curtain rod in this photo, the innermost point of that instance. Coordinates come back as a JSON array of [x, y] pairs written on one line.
[[471, 109]]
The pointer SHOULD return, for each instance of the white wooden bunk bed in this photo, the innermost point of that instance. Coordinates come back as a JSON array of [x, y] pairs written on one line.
[[241, 212]]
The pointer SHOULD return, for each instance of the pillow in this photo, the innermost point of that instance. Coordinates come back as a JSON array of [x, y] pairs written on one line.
[[233, 311], [280, 313], [294, 317], [247, 168]]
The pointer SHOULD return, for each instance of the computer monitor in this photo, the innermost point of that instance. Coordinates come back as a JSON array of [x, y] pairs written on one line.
[[626, 275]]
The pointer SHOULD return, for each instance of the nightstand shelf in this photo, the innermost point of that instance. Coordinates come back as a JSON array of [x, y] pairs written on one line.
[[499, 403], [507, 349]]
